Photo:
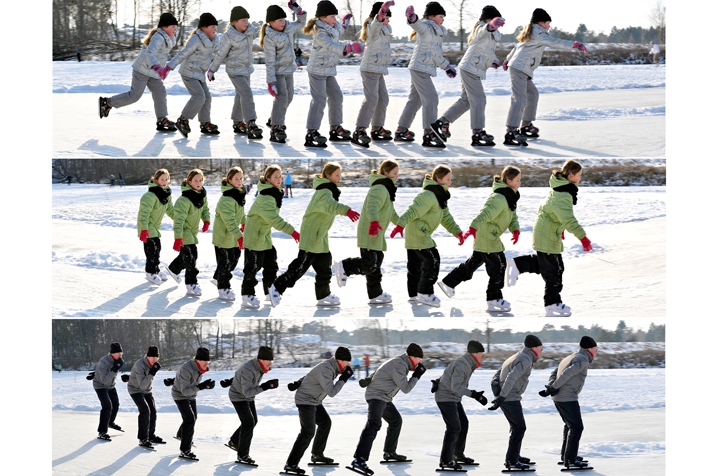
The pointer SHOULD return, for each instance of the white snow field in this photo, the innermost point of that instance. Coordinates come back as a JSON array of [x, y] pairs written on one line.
[[604, 110], [623, 413], [98, 261]]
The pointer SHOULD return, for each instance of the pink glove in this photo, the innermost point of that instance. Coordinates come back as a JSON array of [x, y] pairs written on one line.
[[205, 228], [346, 19], [580, 46], [451, 71], [210, 75], [410, 15], [161, 72], [296, 236], [374, 227], [496, 64], [470, 232], [504, 65], [586, 244], [562, 235], [460, 238], [294, 7], [143, 235], [242, 227], [355, 47], [396, 230], [496, 23], [273, 90], [354, 216], [178, 243], [240, 241], [384, 9], [515, 236]]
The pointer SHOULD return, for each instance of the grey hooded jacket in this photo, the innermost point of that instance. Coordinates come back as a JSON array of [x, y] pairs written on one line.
[[428, 52], [526, 56], [480, 52], [245, 385], [389, 378], [186, 382], [376, 56], [570, 375], [455, 379], [157, 52], [103, 377], [326, 51], [140, 380], [318, 383], [235, 51], [196, 56], [514, 375], [278, 49]]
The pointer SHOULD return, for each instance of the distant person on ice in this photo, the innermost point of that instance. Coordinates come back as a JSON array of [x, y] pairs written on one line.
[[103, 382], [78, 51], [139, 386], [288, 184], [655, 50]]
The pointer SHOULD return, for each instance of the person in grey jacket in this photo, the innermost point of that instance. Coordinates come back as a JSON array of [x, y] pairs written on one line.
[[311, 390], [522, 61], [382, 386], [449, 390], [196, 58], [139, 386], [244, 386], [565, 384], [508, 384], [103, 382], [187, 385], [149, 71]]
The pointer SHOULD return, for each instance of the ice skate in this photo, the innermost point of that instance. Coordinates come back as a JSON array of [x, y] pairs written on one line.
[[515, 467], [292, 469], [274, 296], [360, 466], [450, 466], [183, 126], [412, 299], [361, 138], [558, 310], [209, 128], [404, 135], [162, 275], [104, 107], [153, 278], [579, 458], [429, 299], [381, 134], [176, 277], [318, 460], [157, 440], [278, 134], [165, 125], [482, 139], [575, 466], [240, 127], [337, 133], [442, 129], [341, 278], [329, 301], [146, 444], [529, 131], [464, 460], [395, 457], [214, 282], [511, 272], [103, 436], [254, 131], [431, 139], [315, 139], [114, 426], [193, 290], [246, 459], [250, 302], [513, 137], [188, 455], [498, 305], [449, 292], [384, 298], [525, 460], [227, 295]]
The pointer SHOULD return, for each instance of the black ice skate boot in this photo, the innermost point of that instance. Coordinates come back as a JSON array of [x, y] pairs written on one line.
[[209, 128], [337, 133], [165, 125], [513, 137], [529, 130], [240, 127], [361, 138], [278, 134], [183, 126], [431, 139], [481, 139], [104, 107], [315, 139], [403, 135], [254, 131], [380, 134]]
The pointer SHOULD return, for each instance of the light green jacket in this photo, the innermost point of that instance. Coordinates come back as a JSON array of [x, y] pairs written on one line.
[[423, 217], [376, 207], [187, 216], [318, 219], [227, 220], [151, 212], [492, 221], [263, 215], [554, 216]]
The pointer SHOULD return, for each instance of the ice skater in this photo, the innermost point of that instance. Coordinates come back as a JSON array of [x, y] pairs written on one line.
[[497, 215], [103, 379], [377, 212], [288, 185], [149, 71], [311, 390], [139, 387], [188, 210], [428, 210], [522, 62], [153, 205], [313, 249], [553, 217]]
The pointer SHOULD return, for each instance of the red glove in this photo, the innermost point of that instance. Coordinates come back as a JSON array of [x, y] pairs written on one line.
[[143, 235], [243, 225], [451, 71], [384, 9], [496, 23], [205, 228], [374, 227], [240, 241], [346, 19], [515, 236], [562, 235], [295, 7], [273, 90], [495, 64], [396, 230], [355, 47], [178, 243], [504, 65], [586, 244], [162, 72], [471, 232], [410, 14], [210, 75], [460, 238], [354, 216], [581, 47], [296, 236]]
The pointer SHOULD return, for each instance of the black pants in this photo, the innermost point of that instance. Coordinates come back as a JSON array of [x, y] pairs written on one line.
[[379, 410], [245, 432], [551, 267], [457, 424], [187, 408], [311, 416], [573, 428], [288, 189], [423, 269], [253, 262], [188, 255], [109, 400], [226, 261], [495, 264], [518, 427], [152, 248], [321, 263], [368, 265], [147, 414]]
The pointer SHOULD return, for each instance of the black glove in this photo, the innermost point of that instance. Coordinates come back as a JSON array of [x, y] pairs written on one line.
[[125, 378], [364, 382], [227, 382], [436, 384], [206, 384], [419, 371], [293, 386], [117, 365], [168, 382], [269, 384], [548, 391], [479, 397], [346, 374], [496, 389], [155, 368], [496, 403], [90, 376]]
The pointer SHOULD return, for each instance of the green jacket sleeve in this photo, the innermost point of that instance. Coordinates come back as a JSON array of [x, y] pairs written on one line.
[[489, 211], [448, 222], [331, 206], [225, 208], [514, 223], [170, 209], [272, 217], [146, 204], [205, 213], [181, 210], [564, 211], [373, 201], [420, 206]]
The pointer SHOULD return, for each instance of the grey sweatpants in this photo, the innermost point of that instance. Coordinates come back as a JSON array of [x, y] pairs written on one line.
[[244, 109], [200, 101], [523, 104], [375, 102], [324, 89], [284, 85], [472, 99], [139, 82], [422, 94]]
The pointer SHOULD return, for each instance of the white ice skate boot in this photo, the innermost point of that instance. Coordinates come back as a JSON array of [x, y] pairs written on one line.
[[193, 290], [449, 292], [511, 272], [175, 276], [250, 302], [384, 298], [413, 299], [214, 282], [274, 296], [429, 300], [227, 295], [330, 300], [153, 278], [162, 275], [499, 305], [558, 310], [341, 277]]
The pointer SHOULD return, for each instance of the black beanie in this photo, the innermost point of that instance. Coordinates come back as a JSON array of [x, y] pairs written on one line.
[[414, 350], [343, 353], [376, 8], [325, 8], [265, 353], [587, 342], [433, 8], [202, 353], [207, 19], [274, 12], [474, 346], [167, 19], [115, 347], [540, 15], [153, 351], [532, 341], [488, 11], [238, 13]]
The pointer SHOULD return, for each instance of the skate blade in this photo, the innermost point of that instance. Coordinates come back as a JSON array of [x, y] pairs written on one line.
[[531, 470], [246, 464], [323, 464], [392, 461], [576, 469], [483, 144], [379, 303], [188, 459], [339, 139], [323, 145], [582, 461], [362, 144], [318, 304], [446, 470], [356, 470]]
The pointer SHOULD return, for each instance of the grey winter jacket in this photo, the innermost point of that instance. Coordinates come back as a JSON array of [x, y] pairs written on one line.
[[278, 49], [196, 56], [514, 375], [526, 56], [428, 52], [103, 377], [245, 385], [318, 383], [376, 56], [326, 50], [389, 378], [235, 52], [157, 52], [186, 382], [140, 380], [480, 52], [570, 375], [455, 379]]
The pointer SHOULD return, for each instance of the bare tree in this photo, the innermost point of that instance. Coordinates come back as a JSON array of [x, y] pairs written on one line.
[[657, 17], [464, 14]]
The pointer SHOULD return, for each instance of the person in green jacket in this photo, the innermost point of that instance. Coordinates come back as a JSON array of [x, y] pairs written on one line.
[[259, 251], [497, 215], [228, 238], [377, 212], [152, 207], [188, 209], [553, 217], [428, 210], [313, 246]]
